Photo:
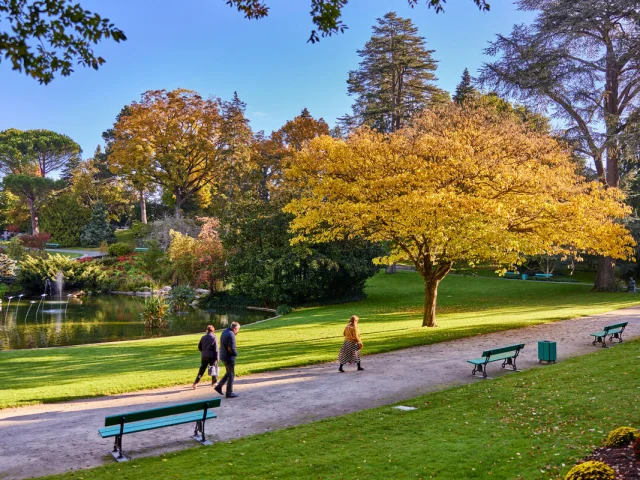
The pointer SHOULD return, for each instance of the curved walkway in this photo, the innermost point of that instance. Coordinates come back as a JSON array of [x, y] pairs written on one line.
[[54, 438]]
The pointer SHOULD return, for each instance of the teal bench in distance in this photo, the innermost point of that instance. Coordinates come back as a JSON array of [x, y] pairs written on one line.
[[544, 276], [125, 423], [52, 245], [140, 249], [507, 354], [613, 331]]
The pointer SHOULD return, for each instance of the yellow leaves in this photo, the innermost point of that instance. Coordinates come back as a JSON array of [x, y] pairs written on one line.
[[458, 185]]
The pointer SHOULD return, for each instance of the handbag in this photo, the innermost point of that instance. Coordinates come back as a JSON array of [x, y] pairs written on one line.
[[214, 370]]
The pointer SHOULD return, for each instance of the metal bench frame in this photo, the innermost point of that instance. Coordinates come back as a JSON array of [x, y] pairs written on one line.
[[605, 331], [198, 434], [511, 360]]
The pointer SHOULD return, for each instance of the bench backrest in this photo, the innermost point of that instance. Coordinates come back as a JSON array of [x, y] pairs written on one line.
[[614, 326], [161, 412], [497, 351]]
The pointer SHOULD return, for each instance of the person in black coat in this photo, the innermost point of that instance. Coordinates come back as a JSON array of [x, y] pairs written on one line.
[[208, 347], [228, 354]]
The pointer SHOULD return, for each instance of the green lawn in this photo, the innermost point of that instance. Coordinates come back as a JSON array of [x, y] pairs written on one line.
[[390, 319], [530, 425], [64, 254], [126, 236]]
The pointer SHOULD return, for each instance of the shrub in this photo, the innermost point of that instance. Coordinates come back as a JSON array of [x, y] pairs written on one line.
[[591, 470], [37, 241], [15, 249], [636, 448], [152, 262], [160, 229], [140, 230], [65, 217], [7, 266], [283, 310], [181, 297], [119, 249], [621, 437], [154, 312], [35, 271]]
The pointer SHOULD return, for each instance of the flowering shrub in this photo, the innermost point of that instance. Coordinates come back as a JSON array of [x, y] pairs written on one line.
[[621, 437], [591, 470], [37, 241]]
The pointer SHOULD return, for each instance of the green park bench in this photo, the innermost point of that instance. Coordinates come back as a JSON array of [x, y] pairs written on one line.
[[506, 354], [544, 276], [125, 423], [140, 249], [512, 275], [613, 331], [52, 245]]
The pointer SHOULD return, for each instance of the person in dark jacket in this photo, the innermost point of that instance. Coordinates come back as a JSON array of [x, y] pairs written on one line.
[[208, 347], [228, 354]]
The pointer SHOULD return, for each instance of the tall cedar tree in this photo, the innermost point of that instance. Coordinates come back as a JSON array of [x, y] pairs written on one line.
[[98, 229], [236, 138], [395, 78], [582, 59], [464, 90]]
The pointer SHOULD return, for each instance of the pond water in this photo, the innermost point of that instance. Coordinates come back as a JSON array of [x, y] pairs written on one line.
[[98, 319]]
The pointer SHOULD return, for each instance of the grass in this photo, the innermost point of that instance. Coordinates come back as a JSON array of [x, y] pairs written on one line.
[[532, 425], [559, 275], [64, 254], [125, 236], [390, 319]]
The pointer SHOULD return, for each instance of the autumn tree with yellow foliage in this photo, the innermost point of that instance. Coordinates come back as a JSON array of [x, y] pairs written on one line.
[[461, 185], [170, 139]]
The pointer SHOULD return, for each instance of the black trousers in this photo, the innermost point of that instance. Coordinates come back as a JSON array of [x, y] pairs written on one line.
[[204, 363], [229, 375]]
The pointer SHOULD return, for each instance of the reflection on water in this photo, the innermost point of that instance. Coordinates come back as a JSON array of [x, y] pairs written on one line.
[[31, 324]]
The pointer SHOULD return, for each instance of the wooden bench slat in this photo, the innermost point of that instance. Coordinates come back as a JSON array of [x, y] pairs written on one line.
[[496, 351], [161, 412], [134, 427]]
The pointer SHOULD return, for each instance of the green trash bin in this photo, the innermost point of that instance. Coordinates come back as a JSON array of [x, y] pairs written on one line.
[[547, 351]]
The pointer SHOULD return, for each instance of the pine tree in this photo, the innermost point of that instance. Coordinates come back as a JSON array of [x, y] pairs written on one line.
[[395, 78], [464, 90], [98, 229], [236, 139]]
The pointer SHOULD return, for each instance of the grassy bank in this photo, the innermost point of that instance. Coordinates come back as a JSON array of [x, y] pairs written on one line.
[[390, 319], [532, 425]]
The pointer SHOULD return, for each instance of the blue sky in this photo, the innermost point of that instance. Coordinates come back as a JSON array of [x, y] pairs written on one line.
[[206, 46]]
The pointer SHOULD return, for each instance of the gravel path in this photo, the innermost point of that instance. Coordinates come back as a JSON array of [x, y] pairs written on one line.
[[54, 438]]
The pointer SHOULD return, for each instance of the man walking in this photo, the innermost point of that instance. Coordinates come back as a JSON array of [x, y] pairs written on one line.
[[228, 354], [208, 347]]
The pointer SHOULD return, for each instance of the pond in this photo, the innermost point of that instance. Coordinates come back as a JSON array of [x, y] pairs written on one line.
[[98, 319]]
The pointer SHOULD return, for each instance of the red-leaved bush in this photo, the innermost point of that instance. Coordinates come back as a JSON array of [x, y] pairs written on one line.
[[36, 241]]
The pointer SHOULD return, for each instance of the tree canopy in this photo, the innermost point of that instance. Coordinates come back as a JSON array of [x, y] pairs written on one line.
[[462, 184], [45, 37], [170, 139], [395, 78], [327, 14], [36, 152], [582, 61]]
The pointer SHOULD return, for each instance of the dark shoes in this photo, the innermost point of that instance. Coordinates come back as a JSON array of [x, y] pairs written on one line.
[[232, 395], [360, 368], [218, 389]]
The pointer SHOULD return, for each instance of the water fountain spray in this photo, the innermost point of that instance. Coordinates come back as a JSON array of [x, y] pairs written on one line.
[[67, 304], [39, 304], [28, 310], [7, 312]]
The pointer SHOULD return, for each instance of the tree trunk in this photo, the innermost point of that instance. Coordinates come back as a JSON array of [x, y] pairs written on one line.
[[605, 276], [179, 201], [35, 227], [430, 302], [143, 207]]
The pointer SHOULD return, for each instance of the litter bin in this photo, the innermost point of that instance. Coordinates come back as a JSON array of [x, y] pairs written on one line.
[[547, 351], [525, 276]]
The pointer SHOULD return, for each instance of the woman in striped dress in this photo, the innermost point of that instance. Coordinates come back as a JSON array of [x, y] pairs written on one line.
[[350, 351]]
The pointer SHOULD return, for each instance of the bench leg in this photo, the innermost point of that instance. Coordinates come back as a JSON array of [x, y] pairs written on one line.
[[117, 452], [477, 368], [198, 434], [617, 336], [602, 340]]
